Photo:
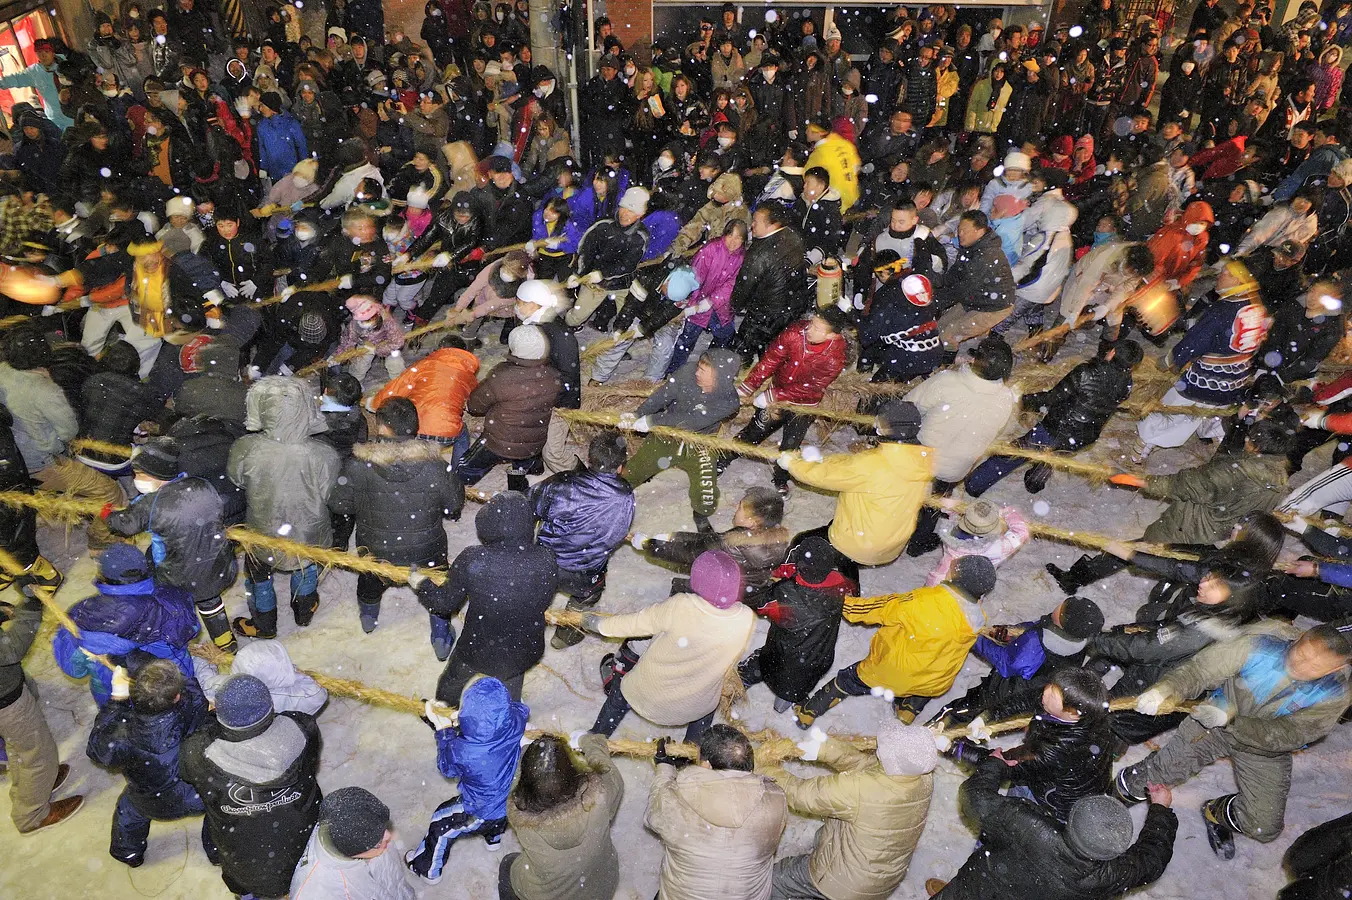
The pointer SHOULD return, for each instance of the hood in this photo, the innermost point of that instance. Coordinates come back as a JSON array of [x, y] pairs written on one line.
[[284, 409], [141, 612], [565, 826], [1198, 211], [219, 358], [724, 799], [728, 184], [1053, 214], [727, 364], [397, 460], [506, 520], [268, 662], [485, 710], [1338, 60]]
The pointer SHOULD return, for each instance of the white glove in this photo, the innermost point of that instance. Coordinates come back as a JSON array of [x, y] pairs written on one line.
[[345, 283], [1171, 283], [1312, 419], [793, 134], [416, 579], [572, 282], [441, 260], [811, 454], [785, 459], [230, 290], [638, 540], [248, 288], [439, 722], [626, 422], [49, 310], [761, 400], [941, 741], [810, 747], [593, 277], [213, 298], [575, 738], [1297, 525], [1210, 715], [287, 291], [845, 304], [1149, 703], [697, 308], [85, 302], [531, 247], [399, 259], [395, 354], [121, 689], [977, 730], [554, 243], [641, 424]]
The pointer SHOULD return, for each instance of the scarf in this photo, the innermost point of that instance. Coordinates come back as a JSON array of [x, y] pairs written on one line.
[[996, 86]]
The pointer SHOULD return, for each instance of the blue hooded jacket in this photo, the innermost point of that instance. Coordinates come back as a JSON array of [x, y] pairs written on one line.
[[154, 618], [584, 517], [484, 750]]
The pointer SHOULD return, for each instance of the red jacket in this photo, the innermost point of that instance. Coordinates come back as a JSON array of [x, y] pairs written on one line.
[[799, 372], [1180, 255]]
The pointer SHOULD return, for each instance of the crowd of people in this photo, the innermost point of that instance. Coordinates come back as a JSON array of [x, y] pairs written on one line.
[[214, 244]]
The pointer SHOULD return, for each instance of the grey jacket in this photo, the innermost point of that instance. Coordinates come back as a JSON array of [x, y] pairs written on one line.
[[679, 403], [16, 636], [43, 419], [325, 874]]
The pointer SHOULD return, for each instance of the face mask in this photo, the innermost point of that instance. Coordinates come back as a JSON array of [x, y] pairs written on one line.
[[1194, 228], [305, 235], [1187, 67], [725, 142], [847, 91], [539, 92], [436, 12], [665, 163], [1103, 237], [145, 485], [629, 71], [769, 75], [152, 129], [109, 92], [300, 181]]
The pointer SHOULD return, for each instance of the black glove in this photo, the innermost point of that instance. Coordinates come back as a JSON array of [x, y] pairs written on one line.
[[662, 758], [965, 750]]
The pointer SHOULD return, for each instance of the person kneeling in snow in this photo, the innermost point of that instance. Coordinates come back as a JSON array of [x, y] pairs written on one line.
[[874, 807], [920, 648], [349, 852], [480, 749], [268, 661]]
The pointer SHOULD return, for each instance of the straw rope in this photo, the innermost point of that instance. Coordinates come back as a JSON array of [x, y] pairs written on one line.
[[454, 320]]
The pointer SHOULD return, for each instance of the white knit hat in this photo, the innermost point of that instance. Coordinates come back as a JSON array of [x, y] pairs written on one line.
[[635, 200], [528, 342], [1016, 160], [905, 749], [418, 198], [179, 206]]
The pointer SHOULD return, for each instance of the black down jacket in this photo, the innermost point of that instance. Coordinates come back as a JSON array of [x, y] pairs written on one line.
[[400, 491], [804, 623], [187, 514], [112, 405], [771, 288], [455, 239], [1060, 762], [1023, 854], [508, 583], [204, 445], [979, 279], [613, 250], [1078, 406]]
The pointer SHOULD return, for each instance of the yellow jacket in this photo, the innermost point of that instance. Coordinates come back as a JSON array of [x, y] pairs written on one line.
[[922, 643], [880, 493], [841, 160]]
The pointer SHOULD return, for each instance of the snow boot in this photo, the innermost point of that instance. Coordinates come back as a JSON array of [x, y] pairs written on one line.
[[492, 832], [1220, 828], [218, 626], [782, 705], [40, 574], [263, 625], [1123, 790], [828, 697], [1036, 477], [303, 608], [614, 666], [909, 707], [443, 636], [1065, 578], [565, 636], [516, 481], [134, 860], [369, 614]]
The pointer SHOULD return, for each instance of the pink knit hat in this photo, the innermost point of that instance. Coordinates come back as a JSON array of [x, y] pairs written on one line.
[[363, 309], [717, 578]]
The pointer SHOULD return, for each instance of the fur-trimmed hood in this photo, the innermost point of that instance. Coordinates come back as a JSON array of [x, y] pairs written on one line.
[[398, 460]]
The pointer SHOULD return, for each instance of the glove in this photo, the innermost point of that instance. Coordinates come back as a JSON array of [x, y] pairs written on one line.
[[287, 291], [85, 302], [1149, 703], [811, 454], [977, 730], [230, 290], [785, 459], [298, 206], [592, 277], [531, 247], [942, 742], [1297, 525], [474, 255], [965, 750], [696, 308], [845, 304], [641, 425], [1126, 480], [1313, 418], [572, 282], [813, 745], [859, 302], [49, 310], [345, 283], [761, 400], [575, 738], [441, 260], [416, 579], [399, 259], [591, 622], [434, 718], [793, 134], [638, 540], [662, 758], [1210, 715], [626, 422], [554, 243], [121, 684], [248, 288]]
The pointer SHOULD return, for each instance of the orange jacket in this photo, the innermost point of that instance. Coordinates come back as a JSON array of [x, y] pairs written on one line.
[[1179, 255], [438, 384]]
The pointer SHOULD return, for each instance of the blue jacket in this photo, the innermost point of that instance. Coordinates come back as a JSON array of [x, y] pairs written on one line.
[[571, 234], [484, 750], [1021, 657], [145, 749], [153, 618], [663, 226], [584, 517], [1221, 347], [281, 144]]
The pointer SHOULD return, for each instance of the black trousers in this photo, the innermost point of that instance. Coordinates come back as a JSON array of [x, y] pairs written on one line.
[[457, 674], [765, 423]]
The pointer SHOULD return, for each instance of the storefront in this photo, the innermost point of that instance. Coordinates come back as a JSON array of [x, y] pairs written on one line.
[[21, 25]]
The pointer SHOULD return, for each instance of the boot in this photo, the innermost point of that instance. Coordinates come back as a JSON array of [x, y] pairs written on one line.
[[1065, 578], [263, 625], [40, 574], [61, 810], [516, 481], [615, 665], [565, 637], [702, 524], [1122, 788], [934, 886], [828, 697], [1220, 828], [1036, 477], [909, 707], [304, 607], [443, 636], [218, 629], [369, 613], [782, 705], [133, 860]]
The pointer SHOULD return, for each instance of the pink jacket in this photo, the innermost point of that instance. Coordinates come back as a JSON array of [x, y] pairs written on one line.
[[386, 338], [997, 550], [485, 299], [716, 268]]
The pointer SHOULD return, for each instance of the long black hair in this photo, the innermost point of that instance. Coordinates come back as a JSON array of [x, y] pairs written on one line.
[[549, 777]]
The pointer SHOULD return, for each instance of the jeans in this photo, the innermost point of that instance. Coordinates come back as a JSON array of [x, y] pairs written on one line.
[[259, 590], [985, 476], [616, 708], [689, 336]]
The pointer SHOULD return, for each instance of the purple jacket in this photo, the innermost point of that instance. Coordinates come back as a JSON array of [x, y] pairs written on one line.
[[716, 267]]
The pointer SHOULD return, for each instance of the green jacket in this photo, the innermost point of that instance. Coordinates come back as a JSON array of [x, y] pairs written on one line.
[[1207, 501]]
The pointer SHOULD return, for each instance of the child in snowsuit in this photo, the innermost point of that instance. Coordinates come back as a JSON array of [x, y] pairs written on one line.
[[130, 613], [400, 490], [371, 326], [138, 733], [584, 516], [268, 661], [480, 750], [918, 650], [804, 610], [699, 397]]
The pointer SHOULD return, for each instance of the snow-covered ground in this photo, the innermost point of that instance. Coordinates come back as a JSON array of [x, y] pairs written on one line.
[[393, 754]]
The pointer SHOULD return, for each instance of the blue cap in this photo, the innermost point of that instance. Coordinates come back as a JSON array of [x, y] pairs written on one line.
[[681, 283]]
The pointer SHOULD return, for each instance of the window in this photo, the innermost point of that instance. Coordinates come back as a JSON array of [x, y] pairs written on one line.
[[18, 32]]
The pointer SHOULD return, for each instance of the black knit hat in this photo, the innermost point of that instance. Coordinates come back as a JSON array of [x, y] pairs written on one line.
[[272, 100], [974, 575], [814, 558], [158, 458], [356, 820], [243, 706], [1098, 828], [1081, 618], [902, 418], [26, 348]]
